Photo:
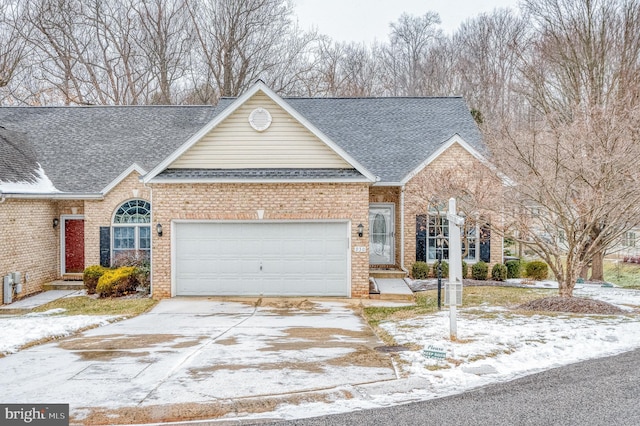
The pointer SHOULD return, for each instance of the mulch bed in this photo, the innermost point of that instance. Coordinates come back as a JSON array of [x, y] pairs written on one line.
[[577, 305]]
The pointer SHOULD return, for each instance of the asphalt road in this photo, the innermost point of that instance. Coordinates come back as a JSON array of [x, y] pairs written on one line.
[[604, 391]]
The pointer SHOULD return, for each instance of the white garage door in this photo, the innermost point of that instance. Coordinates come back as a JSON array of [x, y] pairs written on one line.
[[270, 259]]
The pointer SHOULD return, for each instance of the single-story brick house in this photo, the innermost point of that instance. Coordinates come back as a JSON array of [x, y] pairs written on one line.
[[259, 195]]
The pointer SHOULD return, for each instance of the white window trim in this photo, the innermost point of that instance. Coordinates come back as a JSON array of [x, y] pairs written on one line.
[[467, 260], [136, 231]]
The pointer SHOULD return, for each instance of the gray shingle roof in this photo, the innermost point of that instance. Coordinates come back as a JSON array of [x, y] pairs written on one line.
[[83, 149], [18, 160], [390, 137]]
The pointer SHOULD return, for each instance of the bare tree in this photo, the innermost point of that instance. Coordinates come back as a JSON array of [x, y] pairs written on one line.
[[240, 40], [582, 71], [404, 58], [13, 47], [576, 187], [165, 39], [488, 52]]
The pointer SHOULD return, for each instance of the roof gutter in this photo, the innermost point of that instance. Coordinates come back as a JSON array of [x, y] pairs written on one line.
[[55, 196], [378, 183], [250, 180]]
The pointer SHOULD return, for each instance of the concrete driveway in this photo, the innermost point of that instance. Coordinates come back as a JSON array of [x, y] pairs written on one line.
[[201, 358]]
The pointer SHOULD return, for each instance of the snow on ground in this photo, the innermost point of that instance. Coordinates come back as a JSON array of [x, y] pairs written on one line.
[[493, 345], [17, 331]]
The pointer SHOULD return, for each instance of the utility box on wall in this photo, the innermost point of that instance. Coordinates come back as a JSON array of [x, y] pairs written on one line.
[[7, 288], [17, 281]]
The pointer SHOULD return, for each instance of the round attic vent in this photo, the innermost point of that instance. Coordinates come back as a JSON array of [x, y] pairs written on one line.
[[260, 119]]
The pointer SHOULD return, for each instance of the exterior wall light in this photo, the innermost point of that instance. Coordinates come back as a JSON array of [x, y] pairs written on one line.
[[55, 222], [360, 230], [159, 229]]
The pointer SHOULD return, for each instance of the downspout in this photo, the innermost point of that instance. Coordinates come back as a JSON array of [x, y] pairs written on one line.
[[153, 230], [402, 230]]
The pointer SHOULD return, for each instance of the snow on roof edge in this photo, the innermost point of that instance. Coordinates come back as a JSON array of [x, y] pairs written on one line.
[[41, 184]]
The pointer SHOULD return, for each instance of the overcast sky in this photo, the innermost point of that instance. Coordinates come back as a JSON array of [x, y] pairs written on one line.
[[367, 20]]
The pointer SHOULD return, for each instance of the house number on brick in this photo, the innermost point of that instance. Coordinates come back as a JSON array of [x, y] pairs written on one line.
[[360, 249]]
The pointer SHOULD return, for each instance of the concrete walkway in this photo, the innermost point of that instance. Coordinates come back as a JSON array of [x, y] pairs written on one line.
[[394, 289], [40, 299]]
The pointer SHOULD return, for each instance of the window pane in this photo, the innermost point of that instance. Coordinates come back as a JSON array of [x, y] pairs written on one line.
[[145, 238], [134, 211], [124, 238], [438, 225]]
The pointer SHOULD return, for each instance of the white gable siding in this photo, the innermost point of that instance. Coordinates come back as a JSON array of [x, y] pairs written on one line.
[[234, 144]]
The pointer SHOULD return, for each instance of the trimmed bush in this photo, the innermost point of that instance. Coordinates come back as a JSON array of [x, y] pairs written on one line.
[[90, 277], [140, 260], [479, 271], [117, 282], [420, 270], [445, 269], [537, 270], [513, 268], [499, 272], [465, 269]]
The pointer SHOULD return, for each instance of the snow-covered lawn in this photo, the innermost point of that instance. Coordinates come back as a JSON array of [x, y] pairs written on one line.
[[493, 345], [18, 331]]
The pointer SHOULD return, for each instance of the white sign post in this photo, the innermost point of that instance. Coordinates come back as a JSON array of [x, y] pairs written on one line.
[[455, 265]]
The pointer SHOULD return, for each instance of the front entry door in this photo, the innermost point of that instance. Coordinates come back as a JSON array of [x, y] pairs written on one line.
[[73, 246], [381, 234]]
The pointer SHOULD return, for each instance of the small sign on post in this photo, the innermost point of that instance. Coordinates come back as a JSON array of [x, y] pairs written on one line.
[[434, 352]]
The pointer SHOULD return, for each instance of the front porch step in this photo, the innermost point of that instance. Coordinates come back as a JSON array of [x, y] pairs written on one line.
[[72, 277], [64, 285], [387, 273], [392, 289]]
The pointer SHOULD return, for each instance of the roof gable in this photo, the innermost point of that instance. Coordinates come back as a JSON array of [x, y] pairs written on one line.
[[455, 139], [229, 142], [235, 144]]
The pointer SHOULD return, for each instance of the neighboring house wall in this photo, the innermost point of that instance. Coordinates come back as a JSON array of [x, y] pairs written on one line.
[[386, 194], [100, 213], [29, 242], [416, 195], [291, 201]]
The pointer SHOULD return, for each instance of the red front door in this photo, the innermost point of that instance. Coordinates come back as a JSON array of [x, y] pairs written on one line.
[[73, 246]]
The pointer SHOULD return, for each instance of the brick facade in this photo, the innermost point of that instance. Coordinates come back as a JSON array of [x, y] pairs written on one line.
[[417, 191], [100, 213], [30, 244], [303, 201]]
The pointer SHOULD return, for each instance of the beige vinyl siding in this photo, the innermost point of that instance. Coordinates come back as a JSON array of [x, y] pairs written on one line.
[[234, 144]]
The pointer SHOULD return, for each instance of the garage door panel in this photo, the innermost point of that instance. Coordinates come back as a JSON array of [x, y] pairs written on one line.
[[297, 258]]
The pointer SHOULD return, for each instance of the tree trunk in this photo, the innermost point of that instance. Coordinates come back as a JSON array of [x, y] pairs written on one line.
[[565, 286], [584, 272], [597, 267]]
